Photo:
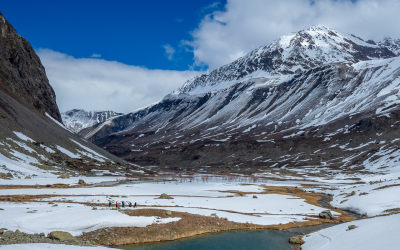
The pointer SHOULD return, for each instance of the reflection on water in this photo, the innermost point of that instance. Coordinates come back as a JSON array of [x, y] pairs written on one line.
[[263, 239]]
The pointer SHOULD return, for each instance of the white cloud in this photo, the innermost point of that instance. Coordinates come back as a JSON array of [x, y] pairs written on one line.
[[224, 36], [97, 84], [95, 55], [169, 51]]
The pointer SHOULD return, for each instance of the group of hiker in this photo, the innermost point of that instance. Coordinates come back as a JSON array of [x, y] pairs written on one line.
[[128, 203]]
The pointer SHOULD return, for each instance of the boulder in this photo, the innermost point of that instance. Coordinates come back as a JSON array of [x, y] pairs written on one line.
[[296, 240], [326, 214], [60, 236], [9, 175], [255, 196], [168, 212], [81, 182], [352, 227], [1, 231], [165, 196]]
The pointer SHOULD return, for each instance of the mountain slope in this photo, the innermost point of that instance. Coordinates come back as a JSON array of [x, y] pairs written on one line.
[[78, 119], [33, 142], [21, 73], [322, 86]]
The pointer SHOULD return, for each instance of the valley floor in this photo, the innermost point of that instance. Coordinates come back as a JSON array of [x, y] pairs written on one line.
[[198, 204]]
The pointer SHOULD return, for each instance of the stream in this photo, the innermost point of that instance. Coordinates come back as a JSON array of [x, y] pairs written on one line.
[[238, 240]]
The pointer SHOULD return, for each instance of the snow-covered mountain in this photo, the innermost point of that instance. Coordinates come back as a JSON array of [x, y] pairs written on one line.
[[286, 104], [78, 119]]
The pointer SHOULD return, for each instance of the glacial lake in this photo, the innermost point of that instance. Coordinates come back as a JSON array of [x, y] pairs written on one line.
[[233, 240]]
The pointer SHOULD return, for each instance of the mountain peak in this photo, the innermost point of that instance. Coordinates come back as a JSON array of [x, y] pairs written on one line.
[[78, 119], [291, 54]]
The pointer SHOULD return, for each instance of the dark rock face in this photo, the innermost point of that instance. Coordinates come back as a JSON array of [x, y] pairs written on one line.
[[21, 73], [25, 97]]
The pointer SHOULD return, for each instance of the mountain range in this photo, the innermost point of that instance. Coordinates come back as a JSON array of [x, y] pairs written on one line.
[[312, 98]]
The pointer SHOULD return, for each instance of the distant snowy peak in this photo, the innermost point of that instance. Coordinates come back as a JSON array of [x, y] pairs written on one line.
[[78, 119], [392, 44], [294, 53]]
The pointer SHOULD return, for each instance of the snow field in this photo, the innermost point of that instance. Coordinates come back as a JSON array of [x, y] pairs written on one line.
[[72, 218], [372, 201], [273, 204], [370, 234]]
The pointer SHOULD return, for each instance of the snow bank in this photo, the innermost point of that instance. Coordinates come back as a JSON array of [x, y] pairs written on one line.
[[370, 234], [72, 218]]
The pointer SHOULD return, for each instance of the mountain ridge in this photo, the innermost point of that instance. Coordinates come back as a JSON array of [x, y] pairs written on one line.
[[78, 119], [265, 110]]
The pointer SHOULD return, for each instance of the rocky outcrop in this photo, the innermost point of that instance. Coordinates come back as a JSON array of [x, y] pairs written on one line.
[[165, 196], [22, 75], [296, 240], [8, 237], [61, 236], [326, 214]]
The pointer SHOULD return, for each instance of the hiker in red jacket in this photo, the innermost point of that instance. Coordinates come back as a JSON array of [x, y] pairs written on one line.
[[116, 204]]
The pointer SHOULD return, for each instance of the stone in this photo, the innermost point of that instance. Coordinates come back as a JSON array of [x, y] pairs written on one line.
[[1, 231], [168, 212], [352, 227], [255, 196], [38, 187], [326, 214], [9, 175], [50, 202], [9, 199], [165, 196], [81, 182], [296, 240], [60, 236]]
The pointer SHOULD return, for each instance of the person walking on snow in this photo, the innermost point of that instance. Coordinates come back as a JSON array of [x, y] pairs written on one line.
[[116, 204], [130, 204], [135, 205], [109, 204], [123, 203]]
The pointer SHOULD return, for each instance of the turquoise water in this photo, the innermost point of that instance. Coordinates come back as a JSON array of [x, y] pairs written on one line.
[[263, 239]]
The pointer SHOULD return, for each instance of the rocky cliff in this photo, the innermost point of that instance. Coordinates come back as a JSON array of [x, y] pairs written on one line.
[[22, 75], [32, 138]]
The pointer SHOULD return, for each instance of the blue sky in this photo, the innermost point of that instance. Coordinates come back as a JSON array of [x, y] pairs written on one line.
[[131, 32], [147, 49]]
